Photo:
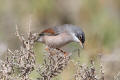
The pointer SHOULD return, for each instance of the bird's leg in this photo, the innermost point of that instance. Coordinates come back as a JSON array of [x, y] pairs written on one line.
[[48, 49], [65, 53]]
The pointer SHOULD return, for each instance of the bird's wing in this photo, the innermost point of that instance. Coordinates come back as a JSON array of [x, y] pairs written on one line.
[[61, 29], [49, 31]]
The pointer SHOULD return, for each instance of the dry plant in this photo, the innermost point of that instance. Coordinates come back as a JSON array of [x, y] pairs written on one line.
[[54, 63], [85, 72], [117, 77], [19, 63]]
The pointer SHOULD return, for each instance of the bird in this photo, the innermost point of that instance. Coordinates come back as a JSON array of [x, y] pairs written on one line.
[[59, 36]]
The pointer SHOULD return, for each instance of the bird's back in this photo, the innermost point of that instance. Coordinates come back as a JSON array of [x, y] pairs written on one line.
[[67, 28]]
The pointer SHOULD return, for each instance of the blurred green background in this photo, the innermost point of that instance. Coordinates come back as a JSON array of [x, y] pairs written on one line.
[[100, 19]]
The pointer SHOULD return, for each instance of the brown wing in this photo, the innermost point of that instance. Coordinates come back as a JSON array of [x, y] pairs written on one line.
[[48, 31]]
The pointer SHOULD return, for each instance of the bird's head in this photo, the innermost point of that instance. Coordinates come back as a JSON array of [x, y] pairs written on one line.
[[80, 38]]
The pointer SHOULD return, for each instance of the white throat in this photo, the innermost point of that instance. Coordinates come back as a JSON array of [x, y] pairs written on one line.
[[75, 38]]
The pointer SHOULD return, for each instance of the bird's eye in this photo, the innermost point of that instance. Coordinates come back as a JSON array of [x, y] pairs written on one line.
[[80, 37]]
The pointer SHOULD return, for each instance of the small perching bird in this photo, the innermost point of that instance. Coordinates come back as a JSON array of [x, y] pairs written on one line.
[[59, 36]]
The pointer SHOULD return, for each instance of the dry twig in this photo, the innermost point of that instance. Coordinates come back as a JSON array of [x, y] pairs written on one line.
[[88, 73], [19, 61], [54, 63]]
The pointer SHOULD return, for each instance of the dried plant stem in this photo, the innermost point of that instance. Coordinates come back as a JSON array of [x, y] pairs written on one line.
[[19, 63], [88, 73], [53, 64]]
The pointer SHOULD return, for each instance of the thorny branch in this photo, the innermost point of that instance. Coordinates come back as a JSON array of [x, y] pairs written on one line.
[[85, 72], [19, 61], [54, 63]]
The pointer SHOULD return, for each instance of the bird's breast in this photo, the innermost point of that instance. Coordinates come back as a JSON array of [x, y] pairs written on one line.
[[58, 41]]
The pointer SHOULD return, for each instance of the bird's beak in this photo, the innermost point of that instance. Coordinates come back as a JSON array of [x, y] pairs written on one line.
[[81, 44]]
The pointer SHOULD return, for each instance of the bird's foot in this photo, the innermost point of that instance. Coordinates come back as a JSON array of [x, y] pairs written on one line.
[[52, 53], [65, 54], [47, 49]]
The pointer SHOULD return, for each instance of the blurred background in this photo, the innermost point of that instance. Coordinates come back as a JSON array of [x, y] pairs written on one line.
[[100, 20]]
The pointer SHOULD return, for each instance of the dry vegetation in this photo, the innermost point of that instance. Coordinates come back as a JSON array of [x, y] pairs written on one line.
[[88, 72], [20, 63], [54, 64]]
